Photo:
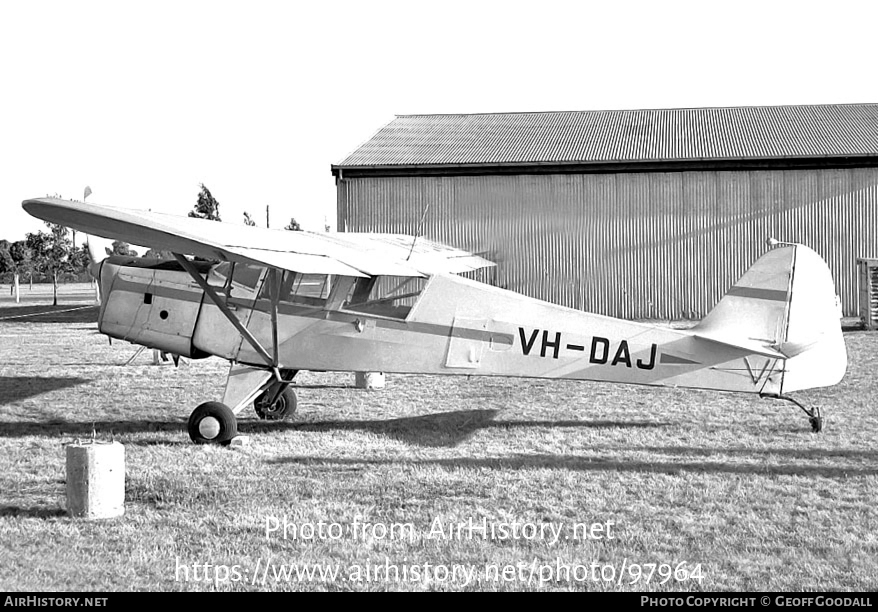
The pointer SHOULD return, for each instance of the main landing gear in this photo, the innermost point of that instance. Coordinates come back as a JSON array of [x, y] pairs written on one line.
[[212, 423], [216, 423], [276, 403], [815, 417]]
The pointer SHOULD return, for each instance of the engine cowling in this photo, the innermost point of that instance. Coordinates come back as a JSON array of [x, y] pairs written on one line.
[[150, 302]]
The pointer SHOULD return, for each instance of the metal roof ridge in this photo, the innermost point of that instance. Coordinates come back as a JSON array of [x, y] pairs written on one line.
[[634, 110], [364, 143]]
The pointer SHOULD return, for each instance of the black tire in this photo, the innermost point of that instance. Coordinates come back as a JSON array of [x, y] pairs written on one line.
[[283, 408], [212, 423]]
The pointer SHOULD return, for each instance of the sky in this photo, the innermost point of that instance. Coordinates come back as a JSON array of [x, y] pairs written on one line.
[[145, 101]]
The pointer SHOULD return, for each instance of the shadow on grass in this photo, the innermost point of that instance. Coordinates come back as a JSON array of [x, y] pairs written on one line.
[[16, 388], [37, 512], [444, 429], [50, 314], [432, 430], [592, 464], [795, 453], [84, 429]]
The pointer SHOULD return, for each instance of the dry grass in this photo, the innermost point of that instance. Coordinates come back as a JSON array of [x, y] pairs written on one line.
[[735, 484]]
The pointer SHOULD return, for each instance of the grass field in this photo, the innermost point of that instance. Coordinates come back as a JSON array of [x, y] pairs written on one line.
[[737, 487]]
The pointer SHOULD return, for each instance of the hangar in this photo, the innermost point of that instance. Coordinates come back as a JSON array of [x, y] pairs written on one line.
[[639, 214]]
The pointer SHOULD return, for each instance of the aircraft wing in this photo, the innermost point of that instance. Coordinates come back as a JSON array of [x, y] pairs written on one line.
[[349, 254]]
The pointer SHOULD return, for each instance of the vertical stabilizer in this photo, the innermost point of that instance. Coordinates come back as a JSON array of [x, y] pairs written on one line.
[[755, 309], [786, 302]]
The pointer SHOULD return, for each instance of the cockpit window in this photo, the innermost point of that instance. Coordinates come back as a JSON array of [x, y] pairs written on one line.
[[247, 276], [297, 286], [236, 280], [385, 296], [218, 275], [304, 289]]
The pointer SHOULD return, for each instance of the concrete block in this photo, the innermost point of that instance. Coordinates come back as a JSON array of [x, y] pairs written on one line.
[[95, 480], [240, 441]]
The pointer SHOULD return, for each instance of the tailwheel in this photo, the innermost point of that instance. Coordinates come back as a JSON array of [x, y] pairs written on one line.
[[816, 420], [276, 403], [212, 423], [815, 417]]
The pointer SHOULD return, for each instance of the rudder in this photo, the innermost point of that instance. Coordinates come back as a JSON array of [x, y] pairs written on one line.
[[786, 302]]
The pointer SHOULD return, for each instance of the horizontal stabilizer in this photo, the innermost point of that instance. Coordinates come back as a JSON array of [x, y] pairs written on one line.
[[751, 346]]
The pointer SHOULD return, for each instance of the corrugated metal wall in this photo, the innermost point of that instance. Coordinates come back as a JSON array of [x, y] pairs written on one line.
[[660, 245]]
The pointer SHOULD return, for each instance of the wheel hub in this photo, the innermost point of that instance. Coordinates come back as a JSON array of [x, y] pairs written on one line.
[[282, 406], [209, 427], [277, 407]]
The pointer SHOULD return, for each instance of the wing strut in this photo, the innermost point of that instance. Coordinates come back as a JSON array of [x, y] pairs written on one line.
[[270, 361], [275, 279]]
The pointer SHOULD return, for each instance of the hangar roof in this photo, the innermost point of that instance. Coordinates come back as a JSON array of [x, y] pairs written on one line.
[[622, 137]]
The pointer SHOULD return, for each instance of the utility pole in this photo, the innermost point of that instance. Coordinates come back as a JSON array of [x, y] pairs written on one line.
[[267, 225], [86, 192], [94, 282]]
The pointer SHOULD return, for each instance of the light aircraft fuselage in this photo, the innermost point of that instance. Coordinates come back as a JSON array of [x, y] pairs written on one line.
[[447, 325], [275, 303]]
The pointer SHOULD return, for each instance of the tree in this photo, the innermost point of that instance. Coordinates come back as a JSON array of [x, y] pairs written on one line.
[[39, 247], [158, 254], [207, 207], [293, 226], [7, 265], [22, 260], [51, 254], [248, 220], [121, 248], [79, 259]]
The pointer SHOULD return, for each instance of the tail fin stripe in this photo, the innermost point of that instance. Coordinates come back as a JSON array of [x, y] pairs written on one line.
[[774, 295]]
